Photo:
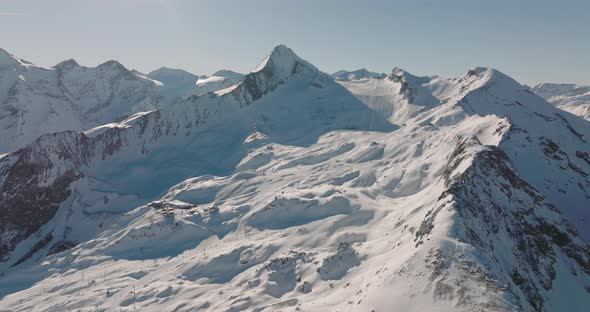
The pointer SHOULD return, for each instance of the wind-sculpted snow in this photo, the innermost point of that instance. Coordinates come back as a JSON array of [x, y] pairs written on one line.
[[287, 212], [148, 152], [291, 191]]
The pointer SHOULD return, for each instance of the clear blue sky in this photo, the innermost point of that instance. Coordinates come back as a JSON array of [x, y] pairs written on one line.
[[531, 40]]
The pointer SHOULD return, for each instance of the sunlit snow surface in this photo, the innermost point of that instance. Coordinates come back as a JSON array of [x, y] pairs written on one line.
[[36, 100], [320, 196]]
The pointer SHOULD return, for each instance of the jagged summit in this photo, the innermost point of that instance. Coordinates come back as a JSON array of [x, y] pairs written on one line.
[[278, 67], [401, 75]]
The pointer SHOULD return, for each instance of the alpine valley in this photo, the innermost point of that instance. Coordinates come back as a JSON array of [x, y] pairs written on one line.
[[289, 189]]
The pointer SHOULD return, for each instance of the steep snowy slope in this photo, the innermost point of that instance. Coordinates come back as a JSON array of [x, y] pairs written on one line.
[[36, 100], [293, 192], [359, 74], [569, 97], [541, 137]]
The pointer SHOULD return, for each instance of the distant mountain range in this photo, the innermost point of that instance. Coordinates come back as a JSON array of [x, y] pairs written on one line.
[[569, 97], [358, 74], [36, 100]]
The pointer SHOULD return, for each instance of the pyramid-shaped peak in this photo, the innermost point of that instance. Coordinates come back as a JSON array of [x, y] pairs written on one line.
[[282, 60], [283, 51]]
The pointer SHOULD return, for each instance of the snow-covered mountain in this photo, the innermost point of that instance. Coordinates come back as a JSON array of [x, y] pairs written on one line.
[[363, 73], [176, 84], [569, 97], [220, 80], [229, 74], [36, 100], [294, 191], [179, 84]]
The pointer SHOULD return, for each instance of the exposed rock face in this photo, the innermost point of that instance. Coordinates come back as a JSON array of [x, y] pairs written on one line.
[[35, 182], [272, 72], [522, 237]]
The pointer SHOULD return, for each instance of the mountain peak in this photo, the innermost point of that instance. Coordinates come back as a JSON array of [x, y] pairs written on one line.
[[165, 69], [488, 76], [112, 64], [283, 61], [487, 72], [400, 75], [66, 65], [480, 70], [167, 73], [230, 74], [8, 59], [282, 49]]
